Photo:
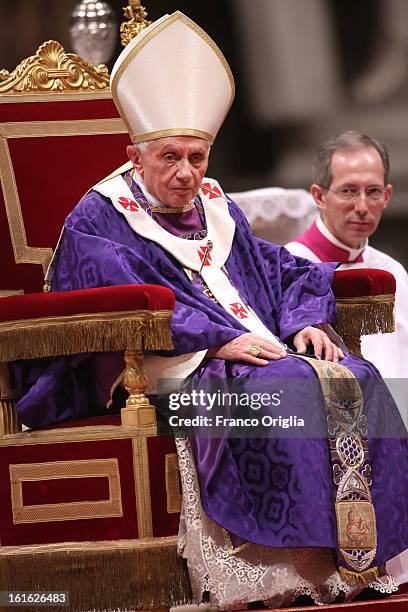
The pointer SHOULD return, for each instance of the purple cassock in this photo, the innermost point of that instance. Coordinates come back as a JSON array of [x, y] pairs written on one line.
[[275, 491]]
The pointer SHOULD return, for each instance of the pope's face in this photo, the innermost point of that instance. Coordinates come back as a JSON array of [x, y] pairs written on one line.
[[173, 168], [353, 221]]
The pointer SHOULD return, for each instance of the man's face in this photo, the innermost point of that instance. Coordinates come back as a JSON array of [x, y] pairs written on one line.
[[172, 168], [353, 221]]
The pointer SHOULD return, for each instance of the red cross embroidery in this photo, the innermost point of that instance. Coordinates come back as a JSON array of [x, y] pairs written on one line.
[[238, 310], [201, 252], [212, 192], [128, 204]]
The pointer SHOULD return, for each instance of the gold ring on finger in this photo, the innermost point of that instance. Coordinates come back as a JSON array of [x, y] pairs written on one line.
[[254, 350]]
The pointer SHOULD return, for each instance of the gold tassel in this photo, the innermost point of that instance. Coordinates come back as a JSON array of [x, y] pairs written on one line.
[[157, 335], [364, 316], [8, 417], [363, 578], [128, 578], [102, 332]]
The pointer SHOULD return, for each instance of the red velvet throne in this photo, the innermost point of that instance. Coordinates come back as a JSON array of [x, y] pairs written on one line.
[[90, 507]]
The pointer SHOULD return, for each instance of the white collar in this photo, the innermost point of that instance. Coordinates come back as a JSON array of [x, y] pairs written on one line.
[[352, 253]]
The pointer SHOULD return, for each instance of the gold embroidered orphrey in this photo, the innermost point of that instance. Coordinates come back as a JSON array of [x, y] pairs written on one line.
[[349, 453], [347, 433]]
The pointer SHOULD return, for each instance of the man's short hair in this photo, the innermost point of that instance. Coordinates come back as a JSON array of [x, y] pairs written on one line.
[[141, 147], [347, 141]]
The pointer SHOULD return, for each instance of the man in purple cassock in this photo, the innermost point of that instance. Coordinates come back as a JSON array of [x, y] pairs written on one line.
[[266, 516]]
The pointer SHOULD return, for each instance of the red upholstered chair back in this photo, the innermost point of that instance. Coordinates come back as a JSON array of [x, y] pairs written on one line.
[[60, 133]]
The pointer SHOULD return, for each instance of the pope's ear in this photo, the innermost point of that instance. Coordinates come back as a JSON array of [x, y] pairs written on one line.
[[135, 157], [318, 194]]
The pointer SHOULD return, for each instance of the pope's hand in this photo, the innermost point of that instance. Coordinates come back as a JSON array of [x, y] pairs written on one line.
[[323, 347], [240, 349]]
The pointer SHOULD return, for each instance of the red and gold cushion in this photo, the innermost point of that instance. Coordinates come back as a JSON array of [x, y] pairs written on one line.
[[121, 298], [101, 319], [365, 300]]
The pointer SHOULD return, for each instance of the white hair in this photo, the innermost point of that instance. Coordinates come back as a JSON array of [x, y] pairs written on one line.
[[141, 147]]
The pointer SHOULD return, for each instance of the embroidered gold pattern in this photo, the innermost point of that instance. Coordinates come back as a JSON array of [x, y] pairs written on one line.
[[8, 292], [172, 210], [142, 485], [77, 434], [347, 434], [70, 511], [173, 485], [166, 133], [356, 525]]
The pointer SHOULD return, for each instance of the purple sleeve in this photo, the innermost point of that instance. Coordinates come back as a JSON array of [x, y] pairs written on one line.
[[101, 249], [303, 287]]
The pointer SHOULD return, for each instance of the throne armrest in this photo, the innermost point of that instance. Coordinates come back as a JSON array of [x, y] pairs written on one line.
[[365, 303], [87, 320]]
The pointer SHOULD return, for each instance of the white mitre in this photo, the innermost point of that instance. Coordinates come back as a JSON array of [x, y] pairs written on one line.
[[172, 80]]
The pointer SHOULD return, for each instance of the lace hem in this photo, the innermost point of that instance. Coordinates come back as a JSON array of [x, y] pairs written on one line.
[[387, 585], [275, 576]]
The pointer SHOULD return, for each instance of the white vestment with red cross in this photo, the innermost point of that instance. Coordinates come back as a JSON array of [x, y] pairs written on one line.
[[194, 254]]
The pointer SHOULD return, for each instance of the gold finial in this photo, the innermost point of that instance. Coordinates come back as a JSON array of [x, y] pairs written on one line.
[[138, 411], [136, 14]]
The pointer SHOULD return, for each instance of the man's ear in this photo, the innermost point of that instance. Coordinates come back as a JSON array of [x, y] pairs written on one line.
[[388, 193], [136, 159], [318, 194]]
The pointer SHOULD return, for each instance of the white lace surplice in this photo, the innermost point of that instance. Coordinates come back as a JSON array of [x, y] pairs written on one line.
[[275, 575]]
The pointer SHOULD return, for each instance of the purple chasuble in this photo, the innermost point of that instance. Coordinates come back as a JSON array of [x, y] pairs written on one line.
[[276, 491]]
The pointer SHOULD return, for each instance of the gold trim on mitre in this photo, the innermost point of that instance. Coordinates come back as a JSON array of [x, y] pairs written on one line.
[[171, 132], [139, 43]]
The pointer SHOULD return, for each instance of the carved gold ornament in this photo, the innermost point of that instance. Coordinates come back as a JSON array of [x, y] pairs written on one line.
[[136, 14], [52, 69], [138, 411]]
